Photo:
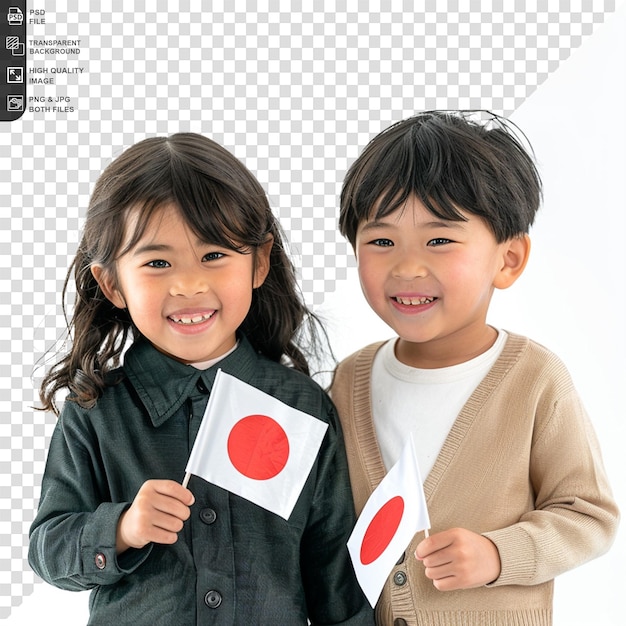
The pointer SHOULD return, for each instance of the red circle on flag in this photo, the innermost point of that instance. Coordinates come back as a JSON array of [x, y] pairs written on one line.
[[381, 530], [258, 447]]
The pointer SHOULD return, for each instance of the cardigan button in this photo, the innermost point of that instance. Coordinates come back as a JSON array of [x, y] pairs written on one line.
[[213, 599], [399, 578], [100, 560]]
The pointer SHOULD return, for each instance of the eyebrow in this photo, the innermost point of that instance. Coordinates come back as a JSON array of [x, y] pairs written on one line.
[[433, 224], [163, 247], [152, 247]]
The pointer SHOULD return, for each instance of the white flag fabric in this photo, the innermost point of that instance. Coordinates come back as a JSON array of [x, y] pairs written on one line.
[[392, 515], [255, 446]]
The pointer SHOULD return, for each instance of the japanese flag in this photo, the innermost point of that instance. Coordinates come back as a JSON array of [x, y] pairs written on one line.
[[392, 515], [255, 446]]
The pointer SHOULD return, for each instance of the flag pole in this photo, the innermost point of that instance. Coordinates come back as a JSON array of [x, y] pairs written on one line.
[[426, 533], [186, 479]]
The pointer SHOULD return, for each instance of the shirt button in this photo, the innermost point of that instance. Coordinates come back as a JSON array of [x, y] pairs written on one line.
[[213, 599], [399, 578], [201, 387], [100, 560], [208, 516]]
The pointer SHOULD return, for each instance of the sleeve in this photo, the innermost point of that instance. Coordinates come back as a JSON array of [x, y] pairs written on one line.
[[73, 536], [333, 593], [575, 516]]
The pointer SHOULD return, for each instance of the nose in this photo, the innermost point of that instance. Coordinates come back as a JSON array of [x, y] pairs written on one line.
[[189, 284], [409, 266]]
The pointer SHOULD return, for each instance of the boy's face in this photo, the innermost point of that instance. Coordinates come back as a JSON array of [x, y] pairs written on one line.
[[432, 280]]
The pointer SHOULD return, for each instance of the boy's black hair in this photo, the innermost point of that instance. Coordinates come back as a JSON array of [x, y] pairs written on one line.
[[452, 163]]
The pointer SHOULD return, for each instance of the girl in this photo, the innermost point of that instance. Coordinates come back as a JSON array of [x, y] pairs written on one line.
[[182, 257]]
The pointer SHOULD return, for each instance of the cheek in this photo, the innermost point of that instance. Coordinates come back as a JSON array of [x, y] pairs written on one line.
[[371, 276], [468, 266], [456, 274], [472, 277], [141, 296]]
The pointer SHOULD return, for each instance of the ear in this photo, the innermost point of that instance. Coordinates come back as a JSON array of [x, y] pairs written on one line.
[[262, 262], [108, 286], [515, 253]]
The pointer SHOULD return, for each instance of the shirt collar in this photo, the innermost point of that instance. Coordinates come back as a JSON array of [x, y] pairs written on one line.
[[163, 384]]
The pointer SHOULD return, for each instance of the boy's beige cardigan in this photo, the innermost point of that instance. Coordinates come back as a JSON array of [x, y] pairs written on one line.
[[521, 465]]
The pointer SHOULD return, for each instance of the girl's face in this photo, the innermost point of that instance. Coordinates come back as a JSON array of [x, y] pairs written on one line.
[[187, 297], [432, 280]]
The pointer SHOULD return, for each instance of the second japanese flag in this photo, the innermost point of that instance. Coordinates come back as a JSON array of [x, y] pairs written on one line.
[[394, 512], [255, 446]]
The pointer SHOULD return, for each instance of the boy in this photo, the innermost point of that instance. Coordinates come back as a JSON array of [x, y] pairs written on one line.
[[438, 209]]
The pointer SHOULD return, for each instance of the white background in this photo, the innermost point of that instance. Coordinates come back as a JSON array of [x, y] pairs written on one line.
[[571, 297]]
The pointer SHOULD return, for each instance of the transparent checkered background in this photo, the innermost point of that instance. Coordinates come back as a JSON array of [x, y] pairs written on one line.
[[295, 93]]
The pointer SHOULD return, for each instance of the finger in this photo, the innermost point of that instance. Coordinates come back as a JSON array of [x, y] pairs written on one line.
[[158, 527], [447, 583], [171, 507], [166, 522], [160, 535], [174, 490], [438, 541], [440, 558]]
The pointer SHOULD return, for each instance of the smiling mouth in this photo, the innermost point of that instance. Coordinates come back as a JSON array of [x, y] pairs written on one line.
[[413, 301], [190, 320]]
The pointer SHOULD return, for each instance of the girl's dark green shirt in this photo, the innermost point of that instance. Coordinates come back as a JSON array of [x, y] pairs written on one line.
[[234, 562]]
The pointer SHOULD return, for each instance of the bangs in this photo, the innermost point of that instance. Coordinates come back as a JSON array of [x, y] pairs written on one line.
[[453, 165], [208, 225], [222, 214], [224, 207], [402, 173], [400, 170]]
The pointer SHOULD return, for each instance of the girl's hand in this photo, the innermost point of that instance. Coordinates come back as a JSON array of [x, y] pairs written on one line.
[[459, 559], [156, 515]]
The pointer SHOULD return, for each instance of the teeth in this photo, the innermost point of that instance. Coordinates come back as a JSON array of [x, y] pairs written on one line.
[[196, 319], [413, 301]]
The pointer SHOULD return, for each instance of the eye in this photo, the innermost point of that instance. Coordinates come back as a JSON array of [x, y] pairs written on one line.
[[439, 241], [213, 256], [158, 264], [382, 242]]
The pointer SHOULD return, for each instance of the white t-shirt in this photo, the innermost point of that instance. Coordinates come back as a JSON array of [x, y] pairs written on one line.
[[425, 402]]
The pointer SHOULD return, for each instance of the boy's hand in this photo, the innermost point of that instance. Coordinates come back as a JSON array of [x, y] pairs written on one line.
[[459, 559], [156, 515]]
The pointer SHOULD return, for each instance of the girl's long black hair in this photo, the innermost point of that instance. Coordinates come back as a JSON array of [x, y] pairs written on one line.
[[224, 204]]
